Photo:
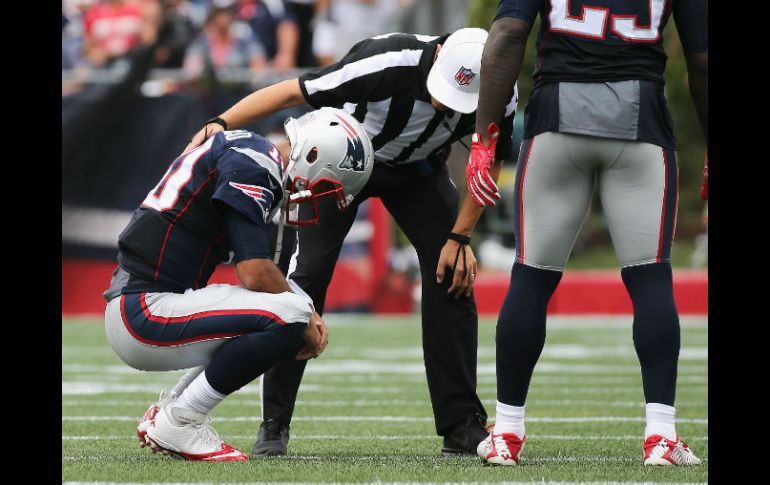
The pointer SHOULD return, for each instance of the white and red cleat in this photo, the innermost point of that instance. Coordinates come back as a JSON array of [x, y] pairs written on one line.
[[485, 446], [506, 449], [149, 415], [661, 451], [187, 434]]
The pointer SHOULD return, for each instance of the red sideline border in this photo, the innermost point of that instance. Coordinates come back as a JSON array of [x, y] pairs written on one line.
[[580, 292]]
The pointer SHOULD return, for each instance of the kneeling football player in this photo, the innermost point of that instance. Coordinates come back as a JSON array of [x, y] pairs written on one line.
[[213, 205]]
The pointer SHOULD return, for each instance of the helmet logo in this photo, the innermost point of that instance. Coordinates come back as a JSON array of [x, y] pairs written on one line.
[[464, 76], [354, 158]]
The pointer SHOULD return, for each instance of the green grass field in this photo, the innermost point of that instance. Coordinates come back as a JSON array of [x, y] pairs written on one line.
[[364, 414]]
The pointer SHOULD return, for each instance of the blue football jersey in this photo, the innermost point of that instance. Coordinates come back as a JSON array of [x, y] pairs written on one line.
[[607, 40], [178, 235], [617, 44]]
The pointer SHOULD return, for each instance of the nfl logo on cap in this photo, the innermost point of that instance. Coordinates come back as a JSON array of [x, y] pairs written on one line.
[[464, 76]]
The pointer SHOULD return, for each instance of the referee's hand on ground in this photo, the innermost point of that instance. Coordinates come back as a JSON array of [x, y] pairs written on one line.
[[203, 134], [459, 259]]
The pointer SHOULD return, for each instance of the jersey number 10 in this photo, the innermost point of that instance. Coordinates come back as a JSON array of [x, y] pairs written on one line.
[[592, 22], [165, 195]]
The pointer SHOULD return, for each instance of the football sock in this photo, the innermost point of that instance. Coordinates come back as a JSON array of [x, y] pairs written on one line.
[[186, 379], [242, 359], [655, 329], [660, 420], [509, 419], [200, 396], [521, 330]]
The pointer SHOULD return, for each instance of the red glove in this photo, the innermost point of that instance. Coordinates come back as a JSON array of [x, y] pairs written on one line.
[[478, 180], [704, 189]]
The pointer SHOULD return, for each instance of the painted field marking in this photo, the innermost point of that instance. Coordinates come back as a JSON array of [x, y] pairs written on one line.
[[550, 419], [386, 437]]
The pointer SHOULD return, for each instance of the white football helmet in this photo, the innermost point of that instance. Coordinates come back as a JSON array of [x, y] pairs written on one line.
[[331, 154]]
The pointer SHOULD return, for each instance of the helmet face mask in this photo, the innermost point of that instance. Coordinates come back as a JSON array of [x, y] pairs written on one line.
[[304, 192], [331, 156]]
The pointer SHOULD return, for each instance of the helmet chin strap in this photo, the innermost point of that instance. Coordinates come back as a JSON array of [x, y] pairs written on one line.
[[284, 211]]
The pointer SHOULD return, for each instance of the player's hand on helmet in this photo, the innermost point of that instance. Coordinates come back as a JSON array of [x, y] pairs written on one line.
[[203, 134], [316, 338], [478, 180], [464, 264], [704, 188]]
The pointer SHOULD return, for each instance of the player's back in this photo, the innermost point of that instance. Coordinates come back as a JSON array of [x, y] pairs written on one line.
[[178, 235], [601, 40], [599, 65]]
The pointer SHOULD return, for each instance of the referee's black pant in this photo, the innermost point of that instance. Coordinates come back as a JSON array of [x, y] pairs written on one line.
[[424, 202]]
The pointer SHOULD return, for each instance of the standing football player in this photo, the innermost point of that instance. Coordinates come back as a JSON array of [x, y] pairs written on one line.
[[214, 204], [597, 110], [415, 95]]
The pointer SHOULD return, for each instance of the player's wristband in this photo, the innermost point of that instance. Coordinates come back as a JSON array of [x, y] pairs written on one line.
[[218, 121], [461, 238]]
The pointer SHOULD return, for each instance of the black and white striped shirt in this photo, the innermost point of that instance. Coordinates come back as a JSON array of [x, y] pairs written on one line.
[[382, 82]]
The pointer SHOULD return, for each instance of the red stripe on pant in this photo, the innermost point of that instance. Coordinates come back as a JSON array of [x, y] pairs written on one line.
[[520, 242]]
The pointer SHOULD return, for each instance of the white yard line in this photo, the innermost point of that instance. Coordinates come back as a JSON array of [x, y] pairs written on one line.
[[550, 419], [386, 437], [89, 388], [372, 366], [363, 402]]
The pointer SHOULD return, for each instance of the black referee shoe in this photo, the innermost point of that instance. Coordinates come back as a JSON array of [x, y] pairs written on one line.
[[272, 439], [464, 438]]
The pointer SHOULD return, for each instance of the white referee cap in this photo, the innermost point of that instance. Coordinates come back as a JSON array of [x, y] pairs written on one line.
[[454, 78]]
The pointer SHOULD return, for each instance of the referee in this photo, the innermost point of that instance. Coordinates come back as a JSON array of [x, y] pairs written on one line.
[[415, 96]]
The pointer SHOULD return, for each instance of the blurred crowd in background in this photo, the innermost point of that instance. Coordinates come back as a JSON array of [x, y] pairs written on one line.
[[196, 34], [217, 51]]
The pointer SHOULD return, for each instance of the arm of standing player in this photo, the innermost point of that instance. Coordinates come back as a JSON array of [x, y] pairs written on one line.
[[697, 73], [500, 66], [691, 17], [258, 104], [464, 266]]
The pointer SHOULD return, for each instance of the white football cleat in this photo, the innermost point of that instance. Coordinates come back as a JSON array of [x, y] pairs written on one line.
[[149, 415], [485, 446], [185, 433], [506, 449], [661, 451]]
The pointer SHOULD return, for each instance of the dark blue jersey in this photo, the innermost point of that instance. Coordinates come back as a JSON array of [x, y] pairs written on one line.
[[599, 64], [607, 40], [183, 228]]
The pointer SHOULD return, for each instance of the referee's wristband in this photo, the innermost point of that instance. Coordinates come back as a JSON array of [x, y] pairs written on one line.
[[218, 121], [461, 238]]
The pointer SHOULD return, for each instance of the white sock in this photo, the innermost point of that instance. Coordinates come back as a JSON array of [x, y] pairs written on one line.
[[200, 396], [510, 419], [660, 420], [186, 379]]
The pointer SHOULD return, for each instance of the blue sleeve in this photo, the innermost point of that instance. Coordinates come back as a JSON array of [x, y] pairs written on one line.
[[245, 186], [525, 10], [692, 23], [248, 239]]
